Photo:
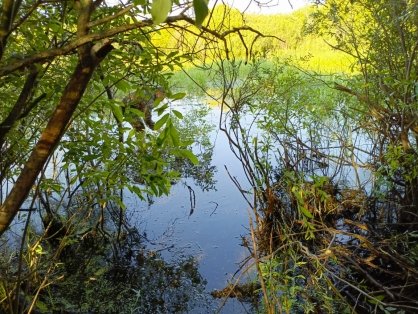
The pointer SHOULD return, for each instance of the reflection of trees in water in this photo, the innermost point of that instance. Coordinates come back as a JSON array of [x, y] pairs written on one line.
[[203, 173], [196, 127], [126, 277], [87, 269], [90, 258]]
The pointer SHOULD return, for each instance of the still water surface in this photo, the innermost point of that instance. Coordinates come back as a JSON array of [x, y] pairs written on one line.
[[213, 232]]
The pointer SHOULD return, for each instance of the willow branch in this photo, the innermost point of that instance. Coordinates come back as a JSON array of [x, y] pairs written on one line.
[[9, 10], [111, 17]]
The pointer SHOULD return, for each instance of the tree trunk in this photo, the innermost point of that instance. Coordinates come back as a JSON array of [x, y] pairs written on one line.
[[8, 13], [53, 132]]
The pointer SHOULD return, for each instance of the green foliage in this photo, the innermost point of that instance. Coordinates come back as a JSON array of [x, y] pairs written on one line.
[[382, 37], [302, 138], [195, 80], [284, 284], [197, 128], [397, 161], [285, 38]]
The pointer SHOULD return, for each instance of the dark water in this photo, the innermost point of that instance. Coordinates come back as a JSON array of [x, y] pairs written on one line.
[[212, 233]]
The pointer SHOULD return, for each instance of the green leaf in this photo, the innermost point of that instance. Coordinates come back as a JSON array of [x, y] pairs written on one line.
[[120, 203], [117, 111], [161, 109], [201, 11], [161, 122], [376, 299], [137, 112], [136, 190], [178, 96], [39, 250], [305, 212], [174, 134], [178, 114], [172, 54], [160, 10], [41, 306], [154, 189], [123, 86], [189, 155]]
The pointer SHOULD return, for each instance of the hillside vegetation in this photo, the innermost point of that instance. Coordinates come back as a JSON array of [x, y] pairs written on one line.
[[286, 38]]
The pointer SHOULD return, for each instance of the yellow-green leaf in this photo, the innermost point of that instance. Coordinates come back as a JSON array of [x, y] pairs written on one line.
[[117, 112], [178, 114], [174, 134], [178, 96], [305, 212], [161, 121], [160, 10]]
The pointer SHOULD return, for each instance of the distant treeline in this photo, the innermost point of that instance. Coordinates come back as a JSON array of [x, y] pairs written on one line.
[[283, 36]]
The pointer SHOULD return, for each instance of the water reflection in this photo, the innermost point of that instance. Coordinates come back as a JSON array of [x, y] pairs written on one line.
[[182, 246], [213, 232]]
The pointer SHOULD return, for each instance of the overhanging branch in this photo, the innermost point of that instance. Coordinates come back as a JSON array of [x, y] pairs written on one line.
[[70, 48]]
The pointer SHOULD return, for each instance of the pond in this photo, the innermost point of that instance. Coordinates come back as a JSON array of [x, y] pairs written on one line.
[[205, 216]]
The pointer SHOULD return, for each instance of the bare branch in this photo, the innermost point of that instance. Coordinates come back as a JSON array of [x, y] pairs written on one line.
[[85, 10]]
